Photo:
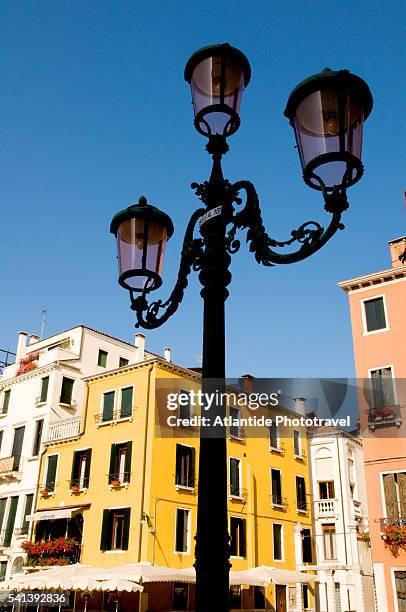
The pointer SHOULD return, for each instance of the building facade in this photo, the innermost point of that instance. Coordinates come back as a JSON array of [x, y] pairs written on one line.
[[340, 515], [377, 305], [41, 396], [126, 491]]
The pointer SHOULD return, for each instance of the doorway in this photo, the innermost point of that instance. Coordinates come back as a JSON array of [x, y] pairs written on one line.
[[280, 598]]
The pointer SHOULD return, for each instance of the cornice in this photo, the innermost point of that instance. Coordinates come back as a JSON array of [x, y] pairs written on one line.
[[36, 372], [373, 280]]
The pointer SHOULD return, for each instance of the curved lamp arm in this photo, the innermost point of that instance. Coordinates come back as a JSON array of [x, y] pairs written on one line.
[[147, 314], [311, 235]]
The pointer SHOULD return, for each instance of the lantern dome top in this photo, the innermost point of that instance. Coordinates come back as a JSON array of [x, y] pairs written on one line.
[[223, 49], [142, 210], [329, 78]]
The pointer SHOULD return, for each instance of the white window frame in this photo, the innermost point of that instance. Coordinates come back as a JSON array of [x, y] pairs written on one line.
[[189, 514], [364, 316], [244, 518], [98, 356], [191, 411], [282, 543], [300, 455], [282, 505], [278, 440], [184, 487]]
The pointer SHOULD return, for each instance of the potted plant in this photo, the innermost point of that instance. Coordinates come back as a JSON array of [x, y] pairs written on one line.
[[395, 538], [74, 487], [44, 491], [115, 482]]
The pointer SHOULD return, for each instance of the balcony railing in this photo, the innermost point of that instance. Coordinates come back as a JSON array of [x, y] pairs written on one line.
[[11, 467], [116, 415], [64, 429], [326, 507], [392, 522], [237, 433], [120, 479], [280, 448], [387, 416], [237, 492], [185, 481], [278, 501]]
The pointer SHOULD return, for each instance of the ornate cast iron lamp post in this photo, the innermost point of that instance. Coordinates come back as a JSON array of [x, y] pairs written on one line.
[[327, 112]]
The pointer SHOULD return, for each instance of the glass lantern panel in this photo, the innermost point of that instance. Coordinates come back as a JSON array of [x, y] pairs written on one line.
[[210, 87]]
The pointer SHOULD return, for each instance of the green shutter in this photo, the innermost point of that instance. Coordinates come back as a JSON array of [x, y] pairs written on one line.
[[102, 358], [105, 541], [113, 463], [38, 436], [127, 467], [126, 402], [10, 521], [17, 447], [3, 502], [87, 466], [27, 510], [44, 389], [126, 528], [74, 479], [51, 472], [6, 401], [375, 314], [192, 467], [123, 362], [108, 406], [178, 477]]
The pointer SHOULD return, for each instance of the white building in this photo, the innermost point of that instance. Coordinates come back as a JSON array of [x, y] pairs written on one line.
[[341, 524], [41, 398]]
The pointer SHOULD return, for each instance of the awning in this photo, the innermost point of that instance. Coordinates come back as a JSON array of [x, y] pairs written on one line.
[[264, 575], [52, 515]]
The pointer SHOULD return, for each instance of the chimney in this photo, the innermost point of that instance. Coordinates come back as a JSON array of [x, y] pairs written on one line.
[[167, 353], [139, 341], [248, 383], [299, 405], [33, 338], [397, 249], [21, 345]]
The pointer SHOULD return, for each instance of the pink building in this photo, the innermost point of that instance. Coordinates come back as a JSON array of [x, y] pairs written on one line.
[[378, 317]]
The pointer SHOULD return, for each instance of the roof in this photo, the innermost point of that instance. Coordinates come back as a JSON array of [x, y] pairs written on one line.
[[374, 279]]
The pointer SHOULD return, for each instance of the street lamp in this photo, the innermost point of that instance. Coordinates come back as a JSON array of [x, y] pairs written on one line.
[[327, 112]]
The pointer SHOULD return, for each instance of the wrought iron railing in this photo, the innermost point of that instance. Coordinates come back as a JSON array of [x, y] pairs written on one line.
[[115, 415], [184, 480], [279, 501], [386, 416], [396, 521], [238, 492]]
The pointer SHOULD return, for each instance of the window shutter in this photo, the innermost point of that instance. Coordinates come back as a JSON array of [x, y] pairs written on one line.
[[87, 466], [127, 467], [108, 406], [113, 462], [234, 477], [17, 446], [75, 468], [44, 389], [375, 314], [27, 510], [10, 521], [243, 544], [106, 531], [126, 528], [392, 510], [126, 402], [66, 390], [51, 472], [178, 464], [192, 467], [3, 501], [402, 493]]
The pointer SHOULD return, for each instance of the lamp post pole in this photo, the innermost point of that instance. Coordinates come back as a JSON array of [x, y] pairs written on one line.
[[327, 112]]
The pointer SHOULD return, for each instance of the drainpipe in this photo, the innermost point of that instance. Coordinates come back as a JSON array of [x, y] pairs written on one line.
[[144, 462]]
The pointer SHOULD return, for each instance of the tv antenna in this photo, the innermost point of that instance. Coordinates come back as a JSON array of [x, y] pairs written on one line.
[[43, 312]]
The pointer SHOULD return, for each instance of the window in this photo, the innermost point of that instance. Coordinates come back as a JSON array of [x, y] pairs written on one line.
[[277, 542], [307, 556], [102, 358], [3, 501], [185, 408], [182, 530], [126, 408], [297, 443], [27, 510], [394, 486], [382, 388], [115, 529], [123, 362], [329, 541], [50, 479], [3, 569], [238, 537], [235, 597], [108, 406], [120, 463], [36, 446], [10, 521], [44, 389], [6, 401], [180, 596], [81, 468], [276, 487], [1, 438], [274, 436], [400, 586], [185, 466], [375, 318], [326, 489], [17, 447], [305, 596], [235, 429], [301, 503], [235, 477], [66, 391]]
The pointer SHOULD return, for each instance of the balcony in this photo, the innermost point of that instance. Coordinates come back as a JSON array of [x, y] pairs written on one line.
[[237, 433], [236, 493], [59, 551], [279, 502], [11, 468], [386, 416], [392, 522], [325, 508], [116, 417], [185, 482], [64, 429]]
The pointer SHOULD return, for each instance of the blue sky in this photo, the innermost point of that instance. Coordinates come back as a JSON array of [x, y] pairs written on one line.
[[95, 112]]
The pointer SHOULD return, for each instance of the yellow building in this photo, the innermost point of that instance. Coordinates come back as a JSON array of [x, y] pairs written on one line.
[[126, 488]]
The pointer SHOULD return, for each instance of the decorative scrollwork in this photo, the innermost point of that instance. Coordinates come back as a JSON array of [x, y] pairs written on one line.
[[192, 250], [311, 235]]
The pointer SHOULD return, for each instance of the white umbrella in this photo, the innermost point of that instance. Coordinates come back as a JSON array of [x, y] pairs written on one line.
[[53, 578], [143, 572], [89, 583], [189, 575], [264, 575]]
